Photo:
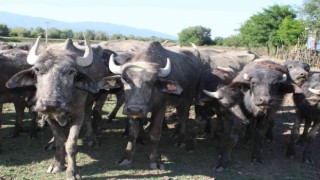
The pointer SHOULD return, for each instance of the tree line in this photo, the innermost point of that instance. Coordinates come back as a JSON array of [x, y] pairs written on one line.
[[55, 33], [273, 27]]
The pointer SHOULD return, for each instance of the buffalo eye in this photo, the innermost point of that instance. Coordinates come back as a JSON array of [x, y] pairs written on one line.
[[290, 67], [72, 71], [226, 104], [38, 70]]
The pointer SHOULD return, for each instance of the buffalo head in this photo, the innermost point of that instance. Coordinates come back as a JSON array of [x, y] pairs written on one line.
[[57, 74]]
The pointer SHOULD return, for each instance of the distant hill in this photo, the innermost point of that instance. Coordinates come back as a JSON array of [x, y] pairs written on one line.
[[15, 20]]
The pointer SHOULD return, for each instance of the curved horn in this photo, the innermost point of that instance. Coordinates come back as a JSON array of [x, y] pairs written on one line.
[[315, 91], [284, 77], [226, 69], [212, 94], [164, 72], [115, 69], [87, 58], [32, 56], [193, 46]]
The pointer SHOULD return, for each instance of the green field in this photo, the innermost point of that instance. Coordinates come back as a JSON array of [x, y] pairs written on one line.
[[24, 158]]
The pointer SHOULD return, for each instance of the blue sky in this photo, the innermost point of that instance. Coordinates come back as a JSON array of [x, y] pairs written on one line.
[[167, 16]]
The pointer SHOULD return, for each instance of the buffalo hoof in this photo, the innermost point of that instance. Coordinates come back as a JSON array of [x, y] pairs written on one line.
[[125, 162], [219, 169], [307, 160], [73, 176], [55, 168], [258, 160], [157, 166]]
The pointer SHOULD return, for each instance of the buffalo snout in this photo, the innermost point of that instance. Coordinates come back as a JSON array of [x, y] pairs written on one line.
[[50, 105], [135, 110]]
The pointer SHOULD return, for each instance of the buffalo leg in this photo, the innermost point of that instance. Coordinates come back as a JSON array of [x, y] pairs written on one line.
[[120, 102], [19, 106], [58, 162], [307, 154], [295, 131], [227, 144], [131, 146], [155, 135], [183, 113], [71, 147], [91, 139], [259, 137], [34, 126]]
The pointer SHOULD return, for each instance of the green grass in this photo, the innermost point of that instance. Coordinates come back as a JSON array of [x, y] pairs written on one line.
[[24, 158]]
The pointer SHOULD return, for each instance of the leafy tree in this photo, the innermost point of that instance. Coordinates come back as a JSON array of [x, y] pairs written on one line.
[[218, 41], [261, 28], [310, 11], [78, 35], [66, 33], [54, 33], [290, 31], [90, 34], [38, 31], [233, 40], [4, 30], [195, 34], [117, 36], [20, 32], [101, 36]]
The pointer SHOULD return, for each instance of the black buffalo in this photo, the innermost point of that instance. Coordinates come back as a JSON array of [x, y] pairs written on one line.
[[150, 88], [264, 84], [63, 79], [307, 104]]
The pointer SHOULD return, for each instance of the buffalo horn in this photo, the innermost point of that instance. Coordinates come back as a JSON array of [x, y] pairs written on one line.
[[32, 56], [87, 58], [166, 70], [115, 69], [315, 91], [212, 94]]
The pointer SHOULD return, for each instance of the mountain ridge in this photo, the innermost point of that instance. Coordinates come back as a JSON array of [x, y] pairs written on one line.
[[17, 20]]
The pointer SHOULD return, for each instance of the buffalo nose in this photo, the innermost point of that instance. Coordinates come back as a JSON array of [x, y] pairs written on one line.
[[51, 103], [265, 100], [134, 109]]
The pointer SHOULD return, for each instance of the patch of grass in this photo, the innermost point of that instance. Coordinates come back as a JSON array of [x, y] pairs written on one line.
[[24, 158]]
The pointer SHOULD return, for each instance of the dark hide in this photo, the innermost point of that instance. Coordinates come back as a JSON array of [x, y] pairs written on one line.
[[143, 95], [308, 111], [11, 62]]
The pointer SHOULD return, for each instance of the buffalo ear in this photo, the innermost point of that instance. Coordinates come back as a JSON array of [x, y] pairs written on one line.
[[110, 82], [86, 83], [170, 87], [21, 79]]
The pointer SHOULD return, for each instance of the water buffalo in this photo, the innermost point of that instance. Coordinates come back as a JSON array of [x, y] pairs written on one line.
[[264, 84], [11, 62], [150, 88], [298, 71], [63, 79], [307, 104]]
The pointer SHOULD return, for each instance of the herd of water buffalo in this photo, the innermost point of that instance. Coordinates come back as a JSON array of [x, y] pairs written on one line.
[[66, 85]]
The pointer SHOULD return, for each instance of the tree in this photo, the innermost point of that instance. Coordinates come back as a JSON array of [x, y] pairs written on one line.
[[290, 30], [38, 31], [20, 32], [66, 33], [4, 30], [89, 34], [310, 11], [101, 36], [78, 35], [117, 36], [54, 33], [195, 34], [234, 41], [261, 29], [218, 41]]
